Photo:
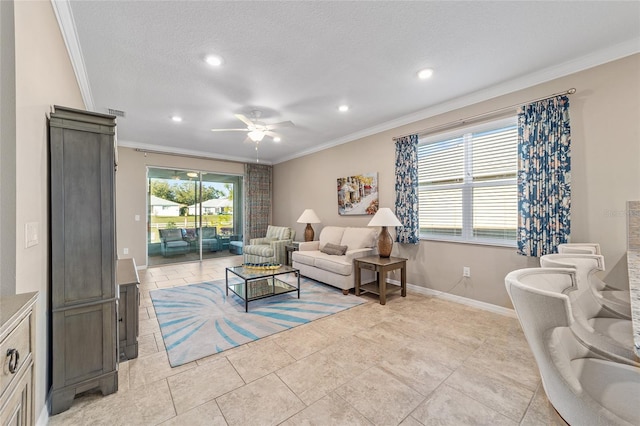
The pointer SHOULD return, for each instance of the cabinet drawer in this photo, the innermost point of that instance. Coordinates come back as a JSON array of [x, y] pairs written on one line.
[[367, 266], [18, 339]]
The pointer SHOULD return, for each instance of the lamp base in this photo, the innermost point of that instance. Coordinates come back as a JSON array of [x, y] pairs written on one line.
[[385, 243], [308, 233]]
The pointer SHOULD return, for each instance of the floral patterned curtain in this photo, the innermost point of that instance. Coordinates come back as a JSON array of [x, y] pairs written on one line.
[[544, 176], [257, 200], [407, 189]]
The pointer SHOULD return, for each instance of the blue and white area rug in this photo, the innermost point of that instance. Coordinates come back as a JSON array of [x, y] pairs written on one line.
[[199, 320]]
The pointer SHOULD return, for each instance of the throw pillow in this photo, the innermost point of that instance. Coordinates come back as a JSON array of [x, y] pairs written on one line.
[[334, 249]]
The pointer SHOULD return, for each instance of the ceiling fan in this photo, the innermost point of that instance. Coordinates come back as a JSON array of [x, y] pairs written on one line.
[[257, 130]]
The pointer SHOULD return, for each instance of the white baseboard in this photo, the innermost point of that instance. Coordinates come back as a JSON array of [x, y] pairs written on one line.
[[459, 299]]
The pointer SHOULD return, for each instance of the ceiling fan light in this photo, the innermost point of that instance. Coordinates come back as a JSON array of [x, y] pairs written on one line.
[[425, 73], [256, 135], [277, 139], [213, 60]]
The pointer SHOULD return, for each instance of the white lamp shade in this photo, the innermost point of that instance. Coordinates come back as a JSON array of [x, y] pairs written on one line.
[[308, 216], [384, 217]]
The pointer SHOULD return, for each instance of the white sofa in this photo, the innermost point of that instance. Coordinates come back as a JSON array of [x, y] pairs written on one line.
[[336, 270]]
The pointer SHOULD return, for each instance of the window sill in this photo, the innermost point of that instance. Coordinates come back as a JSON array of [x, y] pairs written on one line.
[[505, 244]]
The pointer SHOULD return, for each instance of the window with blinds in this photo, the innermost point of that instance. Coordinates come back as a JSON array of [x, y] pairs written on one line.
[[467, 189]]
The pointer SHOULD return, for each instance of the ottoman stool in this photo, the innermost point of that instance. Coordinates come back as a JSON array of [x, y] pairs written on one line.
[[235, 247]]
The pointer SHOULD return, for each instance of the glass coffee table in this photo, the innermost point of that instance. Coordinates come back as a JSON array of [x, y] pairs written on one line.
[[260, 283]]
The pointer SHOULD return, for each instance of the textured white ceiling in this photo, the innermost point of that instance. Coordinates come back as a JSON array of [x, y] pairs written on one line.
[[299, 60]]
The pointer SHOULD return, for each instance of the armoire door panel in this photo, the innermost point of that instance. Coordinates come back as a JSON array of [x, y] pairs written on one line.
[[91, 327], [86, 210]]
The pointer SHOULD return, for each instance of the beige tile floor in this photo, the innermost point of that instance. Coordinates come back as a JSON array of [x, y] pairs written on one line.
[[415, 361]]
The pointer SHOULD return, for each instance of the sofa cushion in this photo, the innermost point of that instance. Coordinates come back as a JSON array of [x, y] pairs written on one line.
[[174, 244], [336, 264], [171, 234], [305, 257], [259, 250], [331, 234], [357, 238], [334, 249]]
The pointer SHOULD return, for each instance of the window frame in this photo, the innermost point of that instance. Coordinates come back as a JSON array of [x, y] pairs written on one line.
[[467, 185]]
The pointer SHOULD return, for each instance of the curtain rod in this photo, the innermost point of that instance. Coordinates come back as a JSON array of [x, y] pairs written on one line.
[[477, 117]]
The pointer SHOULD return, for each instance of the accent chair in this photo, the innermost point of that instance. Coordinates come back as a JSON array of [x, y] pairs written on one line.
[[270, 248], [172, 242], [210, 239], [583, 387], [600, 329]]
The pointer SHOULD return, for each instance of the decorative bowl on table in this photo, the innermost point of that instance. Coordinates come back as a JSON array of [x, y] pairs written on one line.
[[263, 266]]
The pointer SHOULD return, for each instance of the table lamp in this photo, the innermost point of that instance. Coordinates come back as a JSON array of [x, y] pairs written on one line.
[[384, 217], [308, 216]]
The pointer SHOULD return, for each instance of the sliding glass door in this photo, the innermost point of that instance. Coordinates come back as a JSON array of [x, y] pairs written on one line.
[[192, 215]]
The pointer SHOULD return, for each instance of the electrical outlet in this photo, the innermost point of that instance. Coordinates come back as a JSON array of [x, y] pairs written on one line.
[[466, 271], [125, 251]]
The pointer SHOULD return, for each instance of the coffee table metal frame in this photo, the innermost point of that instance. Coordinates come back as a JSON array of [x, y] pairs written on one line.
[[270, 285]]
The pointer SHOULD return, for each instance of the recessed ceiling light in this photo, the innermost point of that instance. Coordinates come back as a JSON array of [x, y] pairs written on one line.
[[176, 119], [425, 73], [277, 139], [213, 60], [343, 108]]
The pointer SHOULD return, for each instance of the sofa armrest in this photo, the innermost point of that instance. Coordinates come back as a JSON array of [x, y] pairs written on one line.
[[358, 253], [309, 246]]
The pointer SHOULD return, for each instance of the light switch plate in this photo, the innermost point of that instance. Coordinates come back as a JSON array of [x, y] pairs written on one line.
[[31, 231]]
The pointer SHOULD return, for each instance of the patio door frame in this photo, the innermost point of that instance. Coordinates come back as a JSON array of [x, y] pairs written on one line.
[[199, 178]]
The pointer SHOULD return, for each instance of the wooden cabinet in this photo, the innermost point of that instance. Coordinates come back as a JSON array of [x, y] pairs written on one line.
[[83, 255], [128, 308], [17, 348]]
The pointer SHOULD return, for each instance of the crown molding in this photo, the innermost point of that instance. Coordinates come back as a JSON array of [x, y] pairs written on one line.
[[62, 10], [163, 150]]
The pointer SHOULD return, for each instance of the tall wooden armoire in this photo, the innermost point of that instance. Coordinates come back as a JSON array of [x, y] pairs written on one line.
[[83, 255]]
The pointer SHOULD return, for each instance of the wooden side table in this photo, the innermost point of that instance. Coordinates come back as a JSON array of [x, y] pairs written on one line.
[[290, 248], [381, 265]]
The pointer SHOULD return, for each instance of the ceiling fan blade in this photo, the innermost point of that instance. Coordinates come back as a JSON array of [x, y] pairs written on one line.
[[229, 130], [281, 124], [244, 119]]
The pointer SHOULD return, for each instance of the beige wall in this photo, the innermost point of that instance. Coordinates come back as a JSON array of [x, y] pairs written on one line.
[[605, 174], [44, 77], [131, 193], [7, 150]]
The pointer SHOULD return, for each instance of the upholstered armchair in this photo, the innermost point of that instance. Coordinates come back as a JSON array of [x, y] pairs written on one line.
[[617, 302], [583, 387], [270, 248], [172, 242], [596, 327], [209, 239]]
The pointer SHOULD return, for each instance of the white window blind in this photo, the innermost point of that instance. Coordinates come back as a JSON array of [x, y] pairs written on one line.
[[467, 189]]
